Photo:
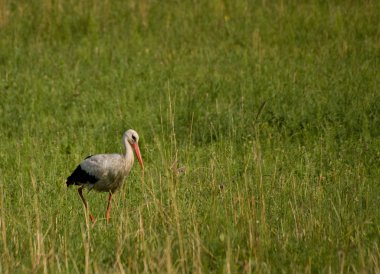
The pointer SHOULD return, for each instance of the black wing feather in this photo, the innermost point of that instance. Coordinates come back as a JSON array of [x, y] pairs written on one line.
[[80, 177]]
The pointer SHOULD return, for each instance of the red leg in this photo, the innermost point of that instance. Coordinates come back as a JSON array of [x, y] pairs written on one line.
[[85, 203], [109, 208]]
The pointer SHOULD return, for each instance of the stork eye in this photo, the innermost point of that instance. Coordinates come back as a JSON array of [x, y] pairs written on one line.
[[134, 138]]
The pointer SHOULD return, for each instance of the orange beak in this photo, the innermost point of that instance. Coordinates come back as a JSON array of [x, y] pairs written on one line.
[[138, 154]]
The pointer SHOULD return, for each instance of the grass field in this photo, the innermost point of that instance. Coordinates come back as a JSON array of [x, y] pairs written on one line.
[[271, 107]]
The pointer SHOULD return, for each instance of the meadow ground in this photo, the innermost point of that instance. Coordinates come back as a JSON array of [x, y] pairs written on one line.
[[271, 107]]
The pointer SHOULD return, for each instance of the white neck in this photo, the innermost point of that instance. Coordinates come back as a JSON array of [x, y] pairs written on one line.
[[129, 157]]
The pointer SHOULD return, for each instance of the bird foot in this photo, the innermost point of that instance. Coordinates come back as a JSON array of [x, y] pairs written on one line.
[[92, 219]]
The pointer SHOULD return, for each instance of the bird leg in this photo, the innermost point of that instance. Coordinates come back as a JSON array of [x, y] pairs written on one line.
[[85, 203], [109, 208]]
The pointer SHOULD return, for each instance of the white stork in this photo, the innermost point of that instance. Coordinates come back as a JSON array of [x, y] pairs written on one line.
[[106, 172]]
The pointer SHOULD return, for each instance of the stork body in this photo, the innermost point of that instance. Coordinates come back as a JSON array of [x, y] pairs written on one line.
[[106, 172]]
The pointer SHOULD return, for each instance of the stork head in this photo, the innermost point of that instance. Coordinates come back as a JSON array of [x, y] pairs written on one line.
[[133, 139]]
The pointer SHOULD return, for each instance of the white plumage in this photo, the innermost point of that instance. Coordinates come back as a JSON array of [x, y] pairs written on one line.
[[106, 172], [110, 169]]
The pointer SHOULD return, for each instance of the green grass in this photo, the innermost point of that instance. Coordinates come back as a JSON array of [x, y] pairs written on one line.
[[272, 108]]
